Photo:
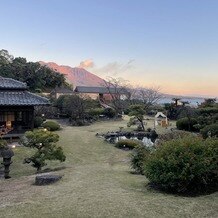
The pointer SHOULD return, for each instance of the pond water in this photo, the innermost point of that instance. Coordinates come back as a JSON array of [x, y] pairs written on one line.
[[145, 141]]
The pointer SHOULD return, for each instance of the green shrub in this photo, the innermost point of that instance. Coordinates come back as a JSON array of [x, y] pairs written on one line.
[[96, 111], [80, 123], [210, 130], [44, 143], [109, 112], [186, 124], [138, 157], [127, 143], [172, 135], [184, 165], [51, 125], [208, 110], [38, 122], [3, 143], [126, 111]]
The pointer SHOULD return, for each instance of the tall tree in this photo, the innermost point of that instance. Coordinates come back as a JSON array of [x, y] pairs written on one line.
[[5, 57], [75, 107], [33, 73]]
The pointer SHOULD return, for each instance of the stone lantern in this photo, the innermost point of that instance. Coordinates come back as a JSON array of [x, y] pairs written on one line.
[[7, 154]]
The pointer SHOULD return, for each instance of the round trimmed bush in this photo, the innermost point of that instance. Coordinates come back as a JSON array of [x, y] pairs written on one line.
[[210, 130], [96, 111], [38, 122], [184, 165], [138, 157], [127, 143], [186, 124], [109, 112], [51, 125]]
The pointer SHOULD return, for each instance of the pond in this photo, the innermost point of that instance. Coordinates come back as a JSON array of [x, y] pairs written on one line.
[[147, 138]]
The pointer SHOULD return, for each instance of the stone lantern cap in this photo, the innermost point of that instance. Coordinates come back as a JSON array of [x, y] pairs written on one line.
[[7, 153]]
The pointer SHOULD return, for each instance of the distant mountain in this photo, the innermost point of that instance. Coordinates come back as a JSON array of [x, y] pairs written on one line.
[[75, 75], [81, 77]]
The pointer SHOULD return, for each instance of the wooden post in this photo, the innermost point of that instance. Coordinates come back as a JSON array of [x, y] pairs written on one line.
[[32, 118]]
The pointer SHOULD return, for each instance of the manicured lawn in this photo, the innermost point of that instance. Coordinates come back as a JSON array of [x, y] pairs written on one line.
[[97, 183]]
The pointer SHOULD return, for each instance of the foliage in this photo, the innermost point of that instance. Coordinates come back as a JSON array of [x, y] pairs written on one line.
[[207, 116], [187, 112], [74, 106], [173, 111], [184, 164], [208, 102], [152, 110], [138, 157], [208, 111], [132, 121], [5, 57], [89, 102], [49, 112], [126, 111], [51, 125], [153, 135], [59, 103], [186, 124], [36, 76], [96, 111], [3, 143], [162, 138], [45, 143], [38, 121], [80, 109], [210, 130], [137, 111], [127, 143], [109, 112]]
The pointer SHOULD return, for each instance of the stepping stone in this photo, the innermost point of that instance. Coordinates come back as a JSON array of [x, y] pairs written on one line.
[[47, 179]]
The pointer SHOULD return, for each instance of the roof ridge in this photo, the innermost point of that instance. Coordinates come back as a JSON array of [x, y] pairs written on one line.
[[10, 83], [22, 97], [12, 80]]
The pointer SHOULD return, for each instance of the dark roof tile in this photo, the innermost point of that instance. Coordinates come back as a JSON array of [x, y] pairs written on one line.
[[15, 98], [100, 90], [8, 83]]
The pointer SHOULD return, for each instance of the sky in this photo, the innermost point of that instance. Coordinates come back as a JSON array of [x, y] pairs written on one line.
[[172, 44]]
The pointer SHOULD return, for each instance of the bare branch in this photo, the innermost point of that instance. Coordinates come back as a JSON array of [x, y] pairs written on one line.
[[119, 90], [149, 96]]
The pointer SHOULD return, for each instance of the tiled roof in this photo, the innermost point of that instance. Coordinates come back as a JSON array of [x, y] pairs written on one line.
[[8, 83], [62, 90], [100, 90], [21, 98]]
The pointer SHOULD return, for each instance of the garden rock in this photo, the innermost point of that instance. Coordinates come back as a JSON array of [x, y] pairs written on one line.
[[47, 179]]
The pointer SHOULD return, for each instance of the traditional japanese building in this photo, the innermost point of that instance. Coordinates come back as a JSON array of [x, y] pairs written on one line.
[[100, 92], [17, 107]]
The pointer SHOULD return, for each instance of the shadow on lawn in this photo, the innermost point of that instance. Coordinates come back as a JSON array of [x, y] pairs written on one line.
[[193, 192], [47, 170]]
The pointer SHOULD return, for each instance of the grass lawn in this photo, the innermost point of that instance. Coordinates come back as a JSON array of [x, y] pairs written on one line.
[[97, 183]]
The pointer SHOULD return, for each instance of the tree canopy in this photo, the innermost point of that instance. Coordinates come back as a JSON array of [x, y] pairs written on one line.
[[36, 76]]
